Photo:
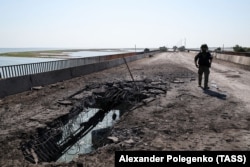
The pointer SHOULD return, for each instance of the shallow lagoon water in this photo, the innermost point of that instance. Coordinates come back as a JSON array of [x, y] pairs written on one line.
[[92, 53], [85, 144], [6, 61]]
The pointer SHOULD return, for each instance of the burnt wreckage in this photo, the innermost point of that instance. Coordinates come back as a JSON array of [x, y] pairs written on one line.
[[48, 144]]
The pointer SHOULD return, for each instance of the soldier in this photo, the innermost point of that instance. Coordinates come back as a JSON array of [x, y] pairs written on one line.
[[204, 59]]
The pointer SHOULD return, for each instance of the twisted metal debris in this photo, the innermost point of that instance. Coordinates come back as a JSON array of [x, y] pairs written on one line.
[[49, 144]]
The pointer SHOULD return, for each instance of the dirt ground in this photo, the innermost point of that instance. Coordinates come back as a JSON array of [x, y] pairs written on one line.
[[185, 118]]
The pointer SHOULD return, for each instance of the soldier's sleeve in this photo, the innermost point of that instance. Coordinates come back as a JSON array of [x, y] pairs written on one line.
[[196, 57]]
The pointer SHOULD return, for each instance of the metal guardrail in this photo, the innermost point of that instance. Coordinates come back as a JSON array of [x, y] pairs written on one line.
[[35, 68]]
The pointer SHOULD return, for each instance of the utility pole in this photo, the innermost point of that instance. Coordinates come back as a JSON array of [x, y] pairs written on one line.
[[135, 47]]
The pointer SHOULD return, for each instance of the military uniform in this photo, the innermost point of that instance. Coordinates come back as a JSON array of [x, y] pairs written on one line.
[[204, 59]]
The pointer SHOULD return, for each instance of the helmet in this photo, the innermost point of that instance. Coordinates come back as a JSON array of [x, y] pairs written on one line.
[[204, 46]]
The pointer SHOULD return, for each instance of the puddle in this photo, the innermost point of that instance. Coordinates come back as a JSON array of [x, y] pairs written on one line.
[[87, 143]]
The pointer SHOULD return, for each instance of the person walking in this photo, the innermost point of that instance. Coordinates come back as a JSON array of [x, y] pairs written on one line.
[[204, 60]]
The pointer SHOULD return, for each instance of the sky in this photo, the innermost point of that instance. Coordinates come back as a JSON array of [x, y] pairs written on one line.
[[123, 23]]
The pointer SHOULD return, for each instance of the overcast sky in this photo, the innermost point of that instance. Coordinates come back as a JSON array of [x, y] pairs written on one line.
[[123, 23]]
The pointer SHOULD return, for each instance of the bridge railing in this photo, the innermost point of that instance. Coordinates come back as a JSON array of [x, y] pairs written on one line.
[[34, 68]]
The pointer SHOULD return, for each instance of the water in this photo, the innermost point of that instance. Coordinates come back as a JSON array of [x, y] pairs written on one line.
[[92, 53], [8, 50], [6, 61], [85, 144]]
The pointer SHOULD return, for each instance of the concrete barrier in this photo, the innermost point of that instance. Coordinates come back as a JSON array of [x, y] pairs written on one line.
[[51, 77], [16, 85], [244, 60], [241, 58]]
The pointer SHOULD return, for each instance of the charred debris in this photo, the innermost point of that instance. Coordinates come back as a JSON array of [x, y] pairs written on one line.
[[48, 144]]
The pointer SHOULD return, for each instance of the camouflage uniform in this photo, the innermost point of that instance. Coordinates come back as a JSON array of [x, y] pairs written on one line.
[[204, 59]]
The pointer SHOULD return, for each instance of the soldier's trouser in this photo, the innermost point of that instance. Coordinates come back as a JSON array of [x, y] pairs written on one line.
[[205, 70]]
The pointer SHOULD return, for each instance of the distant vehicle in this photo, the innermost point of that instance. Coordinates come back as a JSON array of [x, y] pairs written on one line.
[[146, 50], [163, 49]]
